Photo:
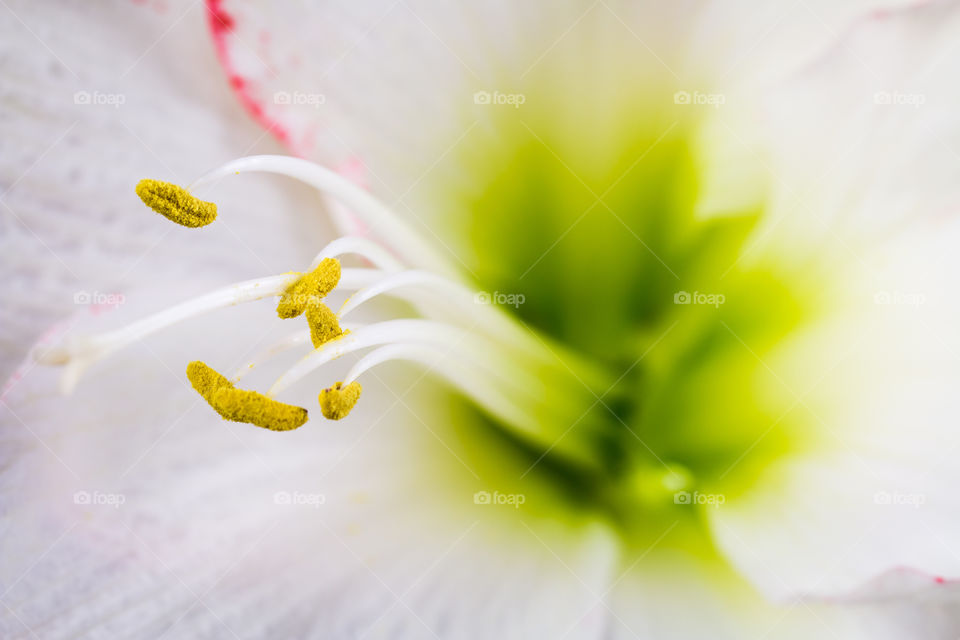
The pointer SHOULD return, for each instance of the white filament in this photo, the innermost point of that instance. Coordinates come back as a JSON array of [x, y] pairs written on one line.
[[79, 353], [480, 389], [417, 287], [391, 331], [363, 247], [393, 231], [285, 343], [403, 279], [487, 360]]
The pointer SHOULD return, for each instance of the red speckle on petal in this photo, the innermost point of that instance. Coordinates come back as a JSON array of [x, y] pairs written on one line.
[[220, 20], [222, 24], [939, 580]]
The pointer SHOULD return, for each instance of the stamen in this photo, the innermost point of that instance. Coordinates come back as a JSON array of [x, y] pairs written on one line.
[[324, 326], [456, 295], [337, 401], [487, 357], [372, 335], [205, 379], [240, 405], [427, 290], [526, 414], [390, 227], [314, 285], [176, 203], [285, 343], [363, 247], [79, 353], [257, 409]]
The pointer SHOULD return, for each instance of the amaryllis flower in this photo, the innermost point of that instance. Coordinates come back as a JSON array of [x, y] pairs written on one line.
[[567, 320]]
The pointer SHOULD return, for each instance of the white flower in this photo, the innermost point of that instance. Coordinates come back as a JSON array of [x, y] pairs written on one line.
[[682, 323]]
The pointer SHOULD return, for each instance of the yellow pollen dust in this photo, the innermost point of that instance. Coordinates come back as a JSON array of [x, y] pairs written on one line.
[[324, 326], [337, 401], [240, 405], [309, 287], [175, 203]]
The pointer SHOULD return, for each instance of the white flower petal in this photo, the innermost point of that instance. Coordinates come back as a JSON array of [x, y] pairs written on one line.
[[676, 600], [866, 138], [872, 188], [907, 604], [387, 87], [878, 380], [94, 99], [669, 595]]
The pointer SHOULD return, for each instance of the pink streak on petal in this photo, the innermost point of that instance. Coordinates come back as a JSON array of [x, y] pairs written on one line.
[[221, 25]]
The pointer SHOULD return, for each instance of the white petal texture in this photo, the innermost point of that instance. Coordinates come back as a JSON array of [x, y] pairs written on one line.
[[308, 73], [131, 510], [185, 525], [89, 110], [883, 496]]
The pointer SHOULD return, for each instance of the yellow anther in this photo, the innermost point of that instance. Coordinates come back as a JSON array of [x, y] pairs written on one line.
[[240, 405], [205, 380], [175, 203], [324, 326], [337, 401], [309, 286], [255, 408]]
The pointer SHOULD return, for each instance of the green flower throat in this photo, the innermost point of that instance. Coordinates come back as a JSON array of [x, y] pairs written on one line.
[[602, 242]]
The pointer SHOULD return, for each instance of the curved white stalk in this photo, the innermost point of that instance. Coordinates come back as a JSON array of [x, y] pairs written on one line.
[[417, 286], [363, 247], [423, 331], [489, 359], [404, 279], [285, 343], [382, 221], [497, 399], [477, 387], [81, 352]]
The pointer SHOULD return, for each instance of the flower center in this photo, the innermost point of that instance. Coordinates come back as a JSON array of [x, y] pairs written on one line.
[[601, 247]]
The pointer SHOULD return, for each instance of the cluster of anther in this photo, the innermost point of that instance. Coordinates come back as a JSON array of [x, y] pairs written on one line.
[[304, 296]]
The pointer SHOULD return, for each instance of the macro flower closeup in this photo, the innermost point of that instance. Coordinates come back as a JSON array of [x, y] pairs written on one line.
[[416, 319]]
